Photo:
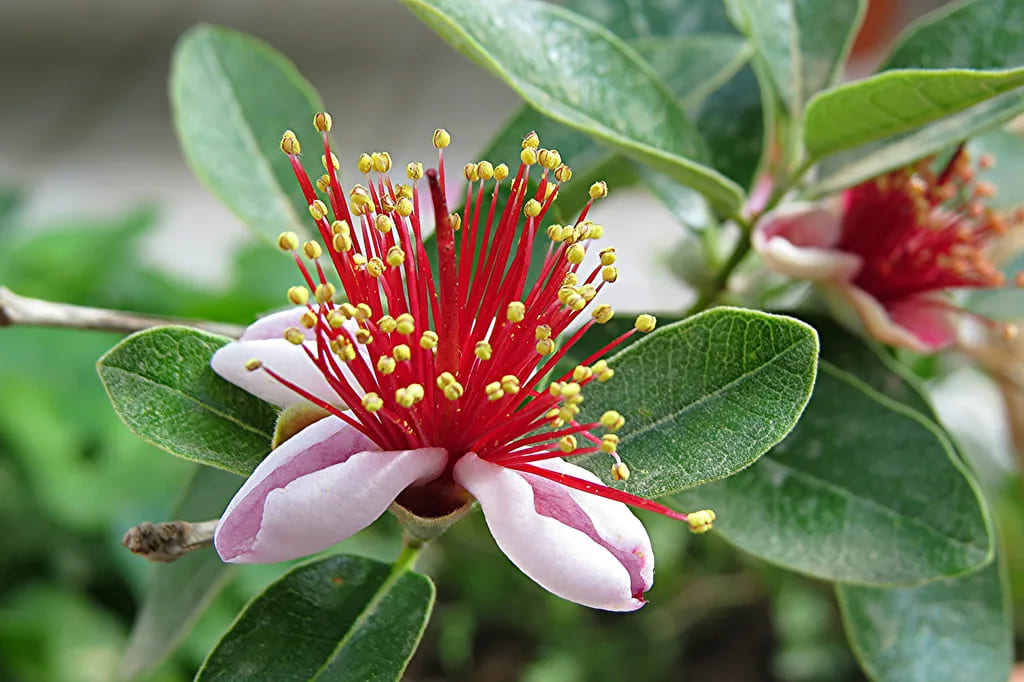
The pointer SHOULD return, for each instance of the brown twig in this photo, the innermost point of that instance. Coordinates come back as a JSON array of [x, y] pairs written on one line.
[[22, 310], [168, 541]]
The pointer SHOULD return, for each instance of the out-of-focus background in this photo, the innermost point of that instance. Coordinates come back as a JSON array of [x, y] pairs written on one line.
[[97, 206]]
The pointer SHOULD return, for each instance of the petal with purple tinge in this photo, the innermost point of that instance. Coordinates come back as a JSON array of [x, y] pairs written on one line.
[[581, 547], [319, 487], [799, 242]]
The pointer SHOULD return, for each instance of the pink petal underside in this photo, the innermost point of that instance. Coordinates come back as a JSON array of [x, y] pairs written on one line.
[[264, 340], [918, 323], [583, 548], [799, 242], [319, 487]]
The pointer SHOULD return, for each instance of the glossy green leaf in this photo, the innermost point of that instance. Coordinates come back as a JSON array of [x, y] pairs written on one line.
[[581, 75], [705, 397], [951, 629], [631, 19], [163, 388], [801, 43], [864, 490], [694, 66], [338, 618], [232, 97], [178, 593], [894, 102]]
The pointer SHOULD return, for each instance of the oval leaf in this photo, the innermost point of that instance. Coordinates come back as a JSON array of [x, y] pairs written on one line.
[[585, 78], [864, 490], [232, 97], [950, 629], [705, 397], [178, 593], [163, 388], [339, 618]]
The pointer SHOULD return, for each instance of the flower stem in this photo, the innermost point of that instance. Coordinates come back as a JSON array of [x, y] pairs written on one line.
[[22, 310], [718, 284], [408, 556]]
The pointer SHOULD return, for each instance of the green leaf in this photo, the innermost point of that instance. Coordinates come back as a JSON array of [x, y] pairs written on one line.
[[894, 102], [631, 19], [232, 97], [705, 397], [950, 629], [588, 79], [338, 618], [694, 66], [801, 43], [178, 593], [864, 489], [163, 388]]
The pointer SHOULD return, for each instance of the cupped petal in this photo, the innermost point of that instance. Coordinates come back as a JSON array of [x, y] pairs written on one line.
[[800, 241], [581, 547], [264, 341], [322, 485], [918, 323]]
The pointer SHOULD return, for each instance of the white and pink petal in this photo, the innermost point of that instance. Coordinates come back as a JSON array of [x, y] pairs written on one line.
[[918, 323], [800, 242]]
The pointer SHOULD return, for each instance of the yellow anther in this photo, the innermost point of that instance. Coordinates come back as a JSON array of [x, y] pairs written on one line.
[[485, 170], [341, 227], [567, 413], [336, 318], [334, 161], [395, 256], [596, 231], [549, 158], [532, 208], [318, 210], [612, 420], [294, 335], [552, 413], [358, 262], [528, 156], [298, 295], [599, 190], [645, 323], [312, 249], [555, 232], [701, 521], [453, 391], [288, 241], [348, 310], [565, 292], [346, 351], [406, 324], [571, 279], [414, 170], [361, 197], [531, 140], [253, 364], [603, 313], [341, 242], [386, 364], [606, 375], [609, 442], [545, 346], [308, 319], [381, 161], [483, 350], [387, 324], [290, 144], [575, 254], [567, 443], [500, 172], [322, 122], [582, 373], [404, 207], [324, 292], [588, 292], [445, 379], [555, 389], [401, 352], [581, 231], [363, 311], [510, 384], [405, 191], [455, 220], [563, 173], [372, 402], [516, 311], [568, 234], [384, 223], [323, 183], [469, 170], [365, 163], [428, 340], [620, 472], [364, 337], [608, 256], [441, 138], [570, 389], [609, 273], [375, 266], [494, 391], [576, 302], [404, 398], [542, 331]]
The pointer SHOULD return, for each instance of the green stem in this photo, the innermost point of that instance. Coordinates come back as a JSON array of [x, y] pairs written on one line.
[[407, 558], [718, 284]]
